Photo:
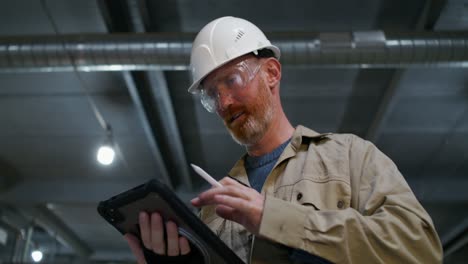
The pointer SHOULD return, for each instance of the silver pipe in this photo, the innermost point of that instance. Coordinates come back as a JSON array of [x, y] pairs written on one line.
[[117, 52], [374, 49], [106, 52]]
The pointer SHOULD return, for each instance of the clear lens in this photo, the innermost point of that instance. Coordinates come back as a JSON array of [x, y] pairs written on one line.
[[207, 101], [234, 80]]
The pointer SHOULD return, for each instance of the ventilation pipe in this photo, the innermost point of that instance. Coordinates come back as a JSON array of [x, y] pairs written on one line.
[[117, 52]]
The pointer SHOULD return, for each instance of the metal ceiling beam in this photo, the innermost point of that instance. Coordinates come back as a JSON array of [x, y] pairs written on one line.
[[388, 101], [171, 51], [171, 134], [431, 14], [163, 105], [136, 19], [449, 136], [45, 218], [455, 238], [25, 216], [149, 93], [386, 107], [12, 217], [149, 132]]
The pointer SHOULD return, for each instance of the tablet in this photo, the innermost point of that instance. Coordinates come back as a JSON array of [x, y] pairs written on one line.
[[122, 211]]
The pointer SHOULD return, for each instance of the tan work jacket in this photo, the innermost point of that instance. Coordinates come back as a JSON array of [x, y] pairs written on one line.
[[338, 197]]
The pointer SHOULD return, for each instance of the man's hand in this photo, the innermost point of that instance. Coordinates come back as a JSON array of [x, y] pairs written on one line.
[[152, 236], [235, 202]]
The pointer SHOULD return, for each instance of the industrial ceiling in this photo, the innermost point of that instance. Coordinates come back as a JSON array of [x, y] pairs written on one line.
[[75, 73]]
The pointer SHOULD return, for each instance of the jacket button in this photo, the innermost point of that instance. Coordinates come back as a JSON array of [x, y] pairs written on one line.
[[340, 204], [299, 196]]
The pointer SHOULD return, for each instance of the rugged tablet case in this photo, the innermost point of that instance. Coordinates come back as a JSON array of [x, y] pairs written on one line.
[[122, 210]]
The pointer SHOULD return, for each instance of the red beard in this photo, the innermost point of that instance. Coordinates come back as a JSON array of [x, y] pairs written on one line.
[[247, 124]]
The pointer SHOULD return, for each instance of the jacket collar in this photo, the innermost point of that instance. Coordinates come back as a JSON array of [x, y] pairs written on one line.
[[300, 135]]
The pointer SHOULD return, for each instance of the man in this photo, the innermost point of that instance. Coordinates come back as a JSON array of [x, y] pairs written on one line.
[[314, 198]]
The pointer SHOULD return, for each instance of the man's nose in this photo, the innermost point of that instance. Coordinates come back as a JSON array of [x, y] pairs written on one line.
[[224, 100]]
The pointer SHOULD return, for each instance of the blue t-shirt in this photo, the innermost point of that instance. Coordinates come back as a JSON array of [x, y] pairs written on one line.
[[258, 169]]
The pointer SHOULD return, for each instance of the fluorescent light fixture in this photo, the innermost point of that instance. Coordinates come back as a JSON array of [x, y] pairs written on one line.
[[105, 155]]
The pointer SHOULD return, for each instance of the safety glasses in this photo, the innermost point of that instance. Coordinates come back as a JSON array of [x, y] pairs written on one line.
[[229, 82]]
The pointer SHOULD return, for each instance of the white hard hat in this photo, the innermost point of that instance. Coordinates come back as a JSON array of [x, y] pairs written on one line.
[[221, 41]]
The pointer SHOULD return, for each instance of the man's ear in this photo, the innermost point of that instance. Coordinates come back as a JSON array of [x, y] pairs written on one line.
[[273, 72]]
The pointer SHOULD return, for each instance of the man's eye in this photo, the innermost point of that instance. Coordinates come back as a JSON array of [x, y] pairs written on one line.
[[232, 80]]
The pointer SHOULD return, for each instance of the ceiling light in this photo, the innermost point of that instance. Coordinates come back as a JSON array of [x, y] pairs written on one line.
[[106, 154], [36, 255]]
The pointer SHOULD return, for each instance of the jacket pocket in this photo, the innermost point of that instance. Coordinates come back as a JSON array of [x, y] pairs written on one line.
[[323, 195]]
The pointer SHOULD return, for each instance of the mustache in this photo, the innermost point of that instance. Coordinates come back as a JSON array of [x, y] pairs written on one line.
[[232, 114], [232, 118]]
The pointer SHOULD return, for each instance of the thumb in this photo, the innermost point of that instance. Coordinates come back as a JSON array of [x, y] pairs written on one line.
[[135, 247]]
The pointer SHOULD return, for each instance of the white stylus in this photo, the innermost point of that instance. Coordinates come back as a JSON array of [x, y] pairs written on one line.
[[206, 176]]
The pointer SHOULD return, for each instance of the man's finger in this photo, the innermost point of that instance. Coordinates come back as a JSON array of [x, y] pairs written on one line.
[[225, 212], [157, 234], [172, 239], [235, 203], [184, 245], [145, 229], [229, 181], [207, 197], [135, 247], [196, 202]]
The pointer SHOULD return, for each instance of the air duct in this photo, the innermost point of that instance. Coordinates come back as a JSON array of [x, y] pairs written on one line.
[[117, 52]]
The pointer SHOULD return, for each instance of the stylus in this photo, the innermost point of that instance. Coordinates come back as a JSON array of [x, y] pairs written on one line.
[[206, 176]]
